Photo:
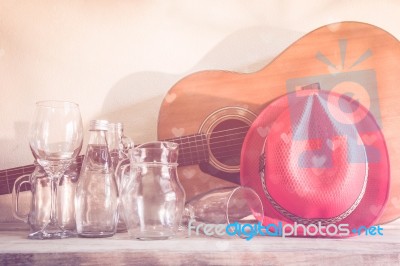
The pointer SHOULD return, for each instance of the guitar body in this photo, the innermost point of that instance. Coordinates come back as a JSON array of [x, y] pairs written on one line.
[[356, 59]]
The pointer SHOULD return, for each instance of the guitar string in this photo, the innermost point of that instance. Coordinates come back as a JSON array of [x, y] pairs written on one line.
[[229, 152], [17, 170], [185, 159], [214, 132], [9, 176], [184, 151], [215, 144], [188, 147], [190, 161], [11, 179], [187, 156], [229, 135], [180, 138], [217, 152]]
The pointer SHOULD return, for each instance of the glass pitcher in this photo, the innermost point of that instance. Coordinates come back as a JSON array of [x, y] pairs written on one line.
[[152, 197]]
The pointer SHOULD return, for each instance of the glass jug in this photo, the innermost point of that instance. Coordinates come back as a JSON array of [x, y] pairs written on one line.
[[39, 186], [152, 197]]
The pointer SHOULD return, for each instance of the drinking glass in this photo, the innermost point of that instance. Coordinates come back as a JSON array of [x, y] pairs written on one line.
[[223, 206], [55, 138]]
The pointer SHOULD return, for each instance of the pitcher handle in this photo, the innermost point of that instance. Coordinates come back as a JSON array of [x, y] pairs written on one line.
[[126, 145], [15, 198], [123, 177], [120, 173]]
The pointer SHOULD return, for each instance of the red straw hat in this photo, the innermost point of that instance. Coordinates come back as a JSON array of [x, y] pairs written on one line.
[[317, 157]]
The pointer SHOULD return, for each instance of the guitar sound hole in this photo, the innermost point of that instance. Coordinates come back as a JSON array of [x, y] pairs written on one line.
[[226, 141]]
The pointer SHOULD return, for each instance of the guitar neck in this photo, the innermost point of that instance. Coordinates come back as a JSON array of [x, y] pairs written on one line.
[[9, 176], [192, 150]]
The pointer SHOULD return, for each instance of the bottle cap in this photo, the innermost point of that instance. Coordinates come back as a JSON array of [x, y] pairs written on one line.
[[98, 125]]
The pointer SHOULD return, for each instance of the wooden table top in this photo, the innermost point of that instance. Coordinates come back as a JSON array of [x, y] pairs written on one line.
[[16, 249]]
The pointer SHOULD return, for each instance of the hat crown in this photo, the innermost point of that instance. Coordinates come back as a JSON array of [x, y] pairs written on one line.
[[313, 157]]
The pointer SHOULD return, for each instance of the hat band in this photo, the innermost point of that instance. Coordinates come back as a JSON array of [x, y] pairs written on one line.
[[302, 220]]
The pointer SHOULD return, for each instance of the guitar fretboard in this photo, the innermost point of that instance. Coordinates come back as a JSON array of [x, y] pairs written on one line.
[[192, 150], [8, 176]]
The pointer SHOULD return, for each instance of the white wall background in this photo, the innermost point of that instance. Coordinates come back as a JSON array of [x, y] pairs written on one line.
[[117, 59]]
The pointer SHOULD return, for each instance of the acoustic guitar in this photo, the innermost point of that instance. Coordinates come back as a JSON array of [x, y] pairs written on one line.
[[209, 113]]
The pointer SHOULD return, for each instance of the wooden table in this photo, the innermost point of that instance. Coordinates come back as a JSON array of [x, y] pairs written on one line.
[[200, 250]]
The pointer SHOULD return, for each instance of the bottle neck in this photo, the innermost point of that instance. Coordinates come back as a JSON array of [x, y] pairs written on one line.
[[98, 137], [97, 154]]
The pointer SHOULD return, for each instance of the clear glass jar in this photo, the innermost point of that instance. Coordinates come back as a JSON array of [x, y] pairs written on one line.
[[96, 199]]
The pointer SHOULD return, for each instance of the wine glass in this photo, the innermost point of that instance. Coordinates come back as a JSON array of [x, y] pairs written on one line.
[[55, 139]]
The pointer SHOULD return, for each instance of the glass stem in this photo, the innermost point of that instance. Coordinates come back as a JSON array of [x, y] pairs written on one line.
[[53, 206]]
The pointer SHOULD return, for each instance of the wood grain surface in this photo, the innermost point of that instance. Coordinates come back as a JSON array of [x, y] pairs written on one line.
[[15, 249]]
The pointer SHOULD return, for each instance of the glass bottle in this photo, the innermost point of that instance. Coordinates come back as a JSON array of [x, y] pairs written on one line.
[[96, 200]]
